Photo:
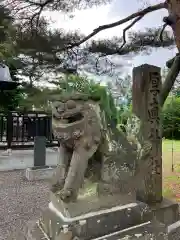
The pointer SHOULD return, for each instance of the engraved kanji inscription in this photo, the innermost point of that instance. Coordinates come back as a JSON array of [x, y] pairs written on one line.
[[154, 134], [154, 80], [154, 101], [153, 113], [155, 92]]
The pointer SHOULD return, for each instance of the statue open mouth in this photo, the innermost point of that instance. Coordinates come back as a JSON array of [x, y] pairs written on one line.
[[69, 119], [74, 118]]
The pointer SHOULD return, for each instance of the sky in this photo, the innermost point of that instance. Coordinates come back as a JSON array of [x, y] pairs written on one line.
[[87, 20]]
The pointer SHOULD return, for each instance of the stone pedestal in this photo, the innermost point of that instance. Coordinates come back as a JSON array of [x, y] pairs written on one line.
[[110, 217], [166, 212], [39, 173], [144, 231]]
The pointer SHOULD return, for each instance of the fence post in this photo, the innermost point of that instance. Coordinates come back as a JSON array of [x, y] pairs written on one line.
[[9, 130]]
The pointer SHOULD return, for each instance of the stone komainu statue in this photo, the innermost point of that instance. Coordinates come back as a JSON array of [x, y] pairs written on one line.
[[84, 133]]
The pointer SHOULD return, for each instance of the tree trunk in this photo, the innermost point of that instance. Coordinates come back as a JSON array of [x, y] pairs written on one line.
[[173, 7], [170, 79], [174, 13]]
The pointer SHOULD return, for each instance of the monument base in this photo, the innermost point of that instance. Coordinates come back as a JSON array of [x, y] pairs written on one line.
[[39, 173], [166, 212], [144, 231], [110, 217]]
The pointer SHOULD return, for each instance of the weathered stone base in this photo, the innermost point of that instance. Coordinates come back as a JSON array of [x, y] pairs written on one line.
[[166, 212], [39, 173], [115, 217], [95, 217], [144, 231]]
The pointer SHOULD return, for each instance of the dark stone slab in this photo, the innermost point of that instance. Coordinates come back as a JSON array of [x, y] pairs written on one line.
[[39, 151]]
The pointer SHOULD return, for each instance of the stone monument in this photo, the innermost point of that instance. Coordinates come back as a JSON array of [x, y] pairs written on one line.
[[127, 175], [146, 107], [146, 89]]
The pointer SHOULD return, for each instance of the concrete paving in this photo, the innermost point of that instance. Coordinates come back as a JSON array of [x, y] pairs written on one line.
[[22, 159]]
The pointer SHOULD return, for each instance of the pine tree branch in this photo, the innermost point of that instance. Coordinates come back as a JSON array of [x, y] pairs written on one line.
[[138, 15], [127, 28]]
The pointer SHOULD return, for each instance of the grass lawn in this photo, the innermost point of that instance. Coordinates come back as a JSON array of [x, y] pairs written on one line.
[[171, 180]]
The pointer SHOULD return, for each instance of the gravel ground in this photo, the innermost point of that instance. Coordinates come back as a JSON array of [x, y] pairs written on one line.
[[20, 201]]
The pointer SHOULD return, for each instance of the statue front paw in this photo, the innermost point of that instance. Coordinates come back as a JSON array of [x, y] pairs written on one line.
[[65, 195], [57, 186]]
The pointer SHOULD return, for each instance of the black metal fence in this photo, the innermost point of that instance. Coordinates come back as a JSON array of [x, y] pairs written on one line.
[[18, 129]]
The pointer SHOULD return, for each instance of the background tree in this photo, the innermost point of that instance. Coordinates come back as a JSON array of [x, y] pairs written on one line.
[[171, 118], [51, 50], [43, 47], [40, 98], [8, 54]]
